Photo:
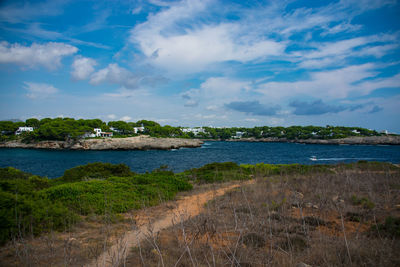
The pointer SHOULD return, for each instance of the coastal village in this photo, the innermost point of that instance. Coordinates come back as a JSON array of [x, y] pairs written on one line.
[[204, 132]]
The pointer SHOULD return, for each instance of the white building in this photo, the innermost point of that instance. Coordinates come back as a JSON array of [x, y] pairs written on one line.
[[355, 131], [99, 133], [238, 135], [23, 129], [384, 132], [195, 131], [138, 129]]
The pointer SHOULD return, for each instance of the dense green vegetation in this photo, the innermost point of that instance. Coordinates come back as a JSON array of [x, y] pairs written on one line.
[[31, 204], [71, 129], [292, 132]]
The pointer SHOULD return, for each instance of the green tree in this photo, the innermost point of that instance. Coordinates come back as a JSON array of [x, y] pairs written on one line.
[[32, 122], [122, 126]]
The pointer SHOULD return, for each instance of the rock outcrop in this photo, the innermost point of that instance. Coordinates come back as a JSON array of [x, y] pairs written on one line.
[[130, 143], [355, 140]]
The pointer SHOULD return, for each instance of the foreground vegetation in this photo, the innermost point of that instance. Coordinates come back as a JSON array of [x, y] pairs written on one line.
[[31, 204], [323, 215], [346, 215], [64, 129]]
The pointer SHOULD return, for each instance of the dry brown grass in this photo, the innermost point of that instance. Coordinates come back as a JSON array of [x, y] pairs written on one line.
[[70, 248], [284, 221]]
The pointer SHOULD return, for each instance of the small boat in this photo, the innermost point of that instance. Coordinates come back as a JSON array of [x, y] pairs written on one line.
[[313, 158]]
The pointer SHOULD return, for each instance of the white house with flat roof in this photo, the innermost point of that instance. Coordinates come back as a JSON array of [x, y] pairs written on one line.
[[99, 133], [23, 129]]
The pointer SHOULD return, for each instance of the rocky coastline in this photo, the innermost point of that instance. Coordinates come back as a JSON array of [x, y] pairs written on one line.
[[130, 143], [354, 140]]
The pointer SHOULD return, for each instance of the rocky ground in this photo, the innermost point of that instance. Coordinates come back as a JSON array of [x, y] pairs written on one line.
[[130, 143]]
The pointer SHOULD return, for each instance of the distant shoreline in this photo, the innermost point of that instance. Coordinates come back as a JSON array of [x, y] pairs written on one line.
[[130, 143], [354, 140], [145, 142]]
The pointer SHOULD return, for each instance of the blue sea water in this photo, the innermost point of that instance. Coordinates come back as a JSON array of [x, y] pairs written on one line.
[[53, 163]]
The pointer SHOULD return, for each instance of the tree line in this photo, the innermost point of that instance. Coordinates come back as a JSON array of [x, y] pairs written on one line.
[[65, 129]]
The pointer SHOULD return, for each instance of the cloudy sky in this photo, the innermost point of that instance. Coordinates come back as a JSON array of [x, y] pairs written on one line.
[[203, 62]]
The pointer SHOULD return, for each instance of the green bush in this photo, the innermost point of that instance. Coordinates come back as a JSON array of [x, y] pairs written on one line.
[[30, 205], [217, 172], [97, 170], [10, 173], [363, 201], [390, 228], [22, 215], [116, 194]]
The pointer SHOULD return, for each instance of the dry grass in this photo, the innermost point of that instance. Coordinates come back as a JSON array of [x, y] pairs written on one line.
[[72, 247], [284, 221]]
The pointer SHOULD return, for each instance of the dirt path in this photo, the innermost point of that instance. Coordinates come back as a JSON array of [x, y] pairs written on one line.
[[184, 208]]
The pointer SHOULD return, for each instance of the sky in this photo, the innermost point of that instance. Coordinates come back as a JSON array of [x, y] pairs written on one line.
[[203, 62]]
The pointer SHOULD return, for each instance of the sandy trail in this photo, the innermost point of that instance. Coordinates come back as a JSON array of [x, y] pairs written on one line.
[[183, 209]]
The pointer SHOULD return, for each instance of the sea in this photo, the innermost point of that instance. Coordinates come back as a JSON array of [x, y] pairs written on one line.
[[53, 163]]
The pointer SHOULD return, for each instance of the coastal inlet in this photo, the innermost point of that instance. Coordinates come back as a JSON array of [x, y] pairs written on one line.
[[53, 163]]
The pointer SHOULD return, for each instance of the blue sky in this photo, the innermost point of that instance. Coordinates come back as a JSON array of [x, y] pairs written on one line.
[[192, 63]]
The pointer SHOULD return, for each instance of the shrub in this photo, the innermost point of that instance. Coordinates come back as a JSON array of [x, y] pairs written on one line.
[[96, 170], [390, 228], [117, 194], [21, 215], [217, 172], [10, 173], [32, 204], [363, 201]]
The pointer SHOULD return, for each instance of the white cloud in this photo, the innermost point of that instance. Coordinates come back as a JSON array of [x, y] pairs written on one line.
[[335, 53], [82, 67], [192, 49], [39, 90], [212, 108], [223, 87], [115, 74], [251, 119], [48, 55], [215, 91], [125, 118], [377, 51], [22, 11], [111, 116], [191, 103], [136, 10], [342, 27], [127, 93], [180, 38], [339, 83]]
